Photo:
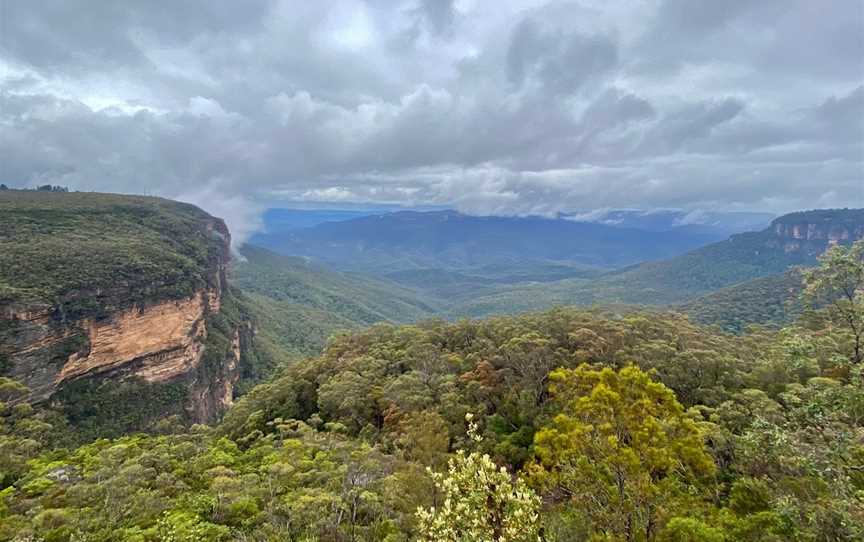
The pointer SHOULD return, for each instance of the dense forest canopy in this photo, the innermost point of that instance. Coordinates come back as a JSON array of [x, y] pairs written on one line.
[[562, 425], [86, 251]]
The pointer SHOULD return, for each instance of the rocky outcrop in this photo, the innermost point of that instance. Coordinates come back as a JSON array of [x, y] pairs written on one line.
[[811, 232], [154, 342], [832, 233], [163, 341]]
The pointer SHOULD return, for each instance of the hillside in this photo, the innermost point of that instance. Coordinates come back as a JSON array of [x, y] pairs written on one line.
[[96, 288], [117, 310], [341, 445], [302, 303], [771, 300], [791, 240]]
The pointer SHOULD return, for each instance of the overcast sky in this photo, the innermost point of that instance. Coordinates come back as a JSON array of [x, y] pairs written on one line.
[[492, 106]]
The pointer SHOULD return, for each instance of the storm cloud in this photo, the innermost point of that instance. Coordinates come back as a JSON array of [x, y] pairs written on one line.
[[490, 107]]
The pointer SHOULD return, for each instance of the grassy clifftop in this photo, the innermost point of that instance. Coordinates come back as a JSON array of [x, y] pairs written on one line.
[[85, 252]]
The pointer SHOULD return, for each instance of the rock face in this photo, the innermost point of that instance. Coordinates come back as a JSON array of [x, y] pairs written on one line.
[[163, 340], [811, 232], [155, 342]]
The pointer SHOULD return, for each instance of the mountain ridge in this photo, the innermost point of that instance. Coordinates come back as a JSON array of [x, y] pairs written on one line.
[[740, 258], [484, 247]]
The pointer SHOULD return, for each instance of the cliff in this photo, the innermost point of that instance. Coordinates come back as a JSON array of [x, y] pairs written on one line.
[[101, 290], [812, 231], [794, 239]]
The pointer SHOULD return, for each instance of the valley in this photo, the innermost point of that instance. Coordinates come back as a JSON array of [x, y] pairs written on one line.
[[219, 393], [508, 278]]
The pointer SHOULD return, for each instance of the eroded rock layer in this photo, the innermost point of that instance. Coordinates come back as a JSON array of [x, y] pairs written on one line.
[[156, 341]]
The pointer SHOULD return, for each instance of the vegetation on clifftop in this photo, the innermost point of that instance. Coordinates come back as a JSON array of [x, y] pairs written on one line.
[[88, 252]]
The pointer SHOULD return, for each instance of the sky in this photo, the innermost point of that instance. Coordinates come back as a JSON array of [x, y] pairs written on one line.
[[489, 107]]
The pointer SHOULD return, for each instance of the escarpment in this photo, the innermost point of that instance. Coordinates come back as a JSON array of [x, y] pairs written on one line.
[[811, 232], [144, 306]]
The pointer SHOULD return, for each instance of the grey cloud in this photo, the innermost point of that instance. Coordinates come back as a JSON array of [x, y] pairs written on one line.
[[437, 14], [797, 38], [562, 61], [510, 108], [841, 118], [69, 35], [690, 125]]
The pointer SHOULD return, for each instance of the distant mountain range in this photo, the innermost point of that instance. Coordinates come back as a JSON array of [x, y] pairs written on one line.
[[461, 265], [795, 239], [512, 249], [722, 224], [284, 220]]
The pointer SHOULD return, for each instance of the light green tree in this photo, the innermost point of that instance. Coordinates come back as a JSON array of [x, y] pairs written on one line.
[[838, 284], [479, 502], [619, 450]]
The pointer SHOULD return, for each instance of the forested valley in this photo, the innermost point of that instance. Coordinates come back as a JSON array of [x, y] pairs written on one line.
[[568, 424]]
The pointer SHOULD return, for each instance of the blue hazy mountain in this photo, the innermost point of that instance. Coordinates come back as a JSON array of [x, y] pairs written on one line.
[[481, 248], [795, 239], [282, 220]]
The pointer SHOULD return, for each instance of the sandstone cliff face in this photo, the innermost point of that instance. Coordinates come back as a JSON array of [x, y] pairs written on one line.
[[811, 233], [157, 342]]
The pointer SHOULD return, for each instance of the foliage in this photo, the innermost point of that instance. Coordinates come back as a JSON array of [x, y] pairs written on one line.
[[772, 300], [498, 368], [109, 409], [87, 253], [301, 304], [297, 485], [620, 449], [335, 447], [838, 283], [24, 432], [625, 425], [355, 298], [479, 502]]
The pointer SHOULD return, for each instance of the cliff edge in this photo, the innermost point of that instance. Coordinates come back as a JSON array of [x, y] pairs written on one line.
[[107, 299]]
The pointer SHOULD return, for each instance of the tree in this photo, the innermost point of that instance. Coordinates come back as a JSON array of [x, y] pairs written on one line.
[[838, 283], [690, 530], [480, 502], [350, 398], [620, 447], [51, 188]]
